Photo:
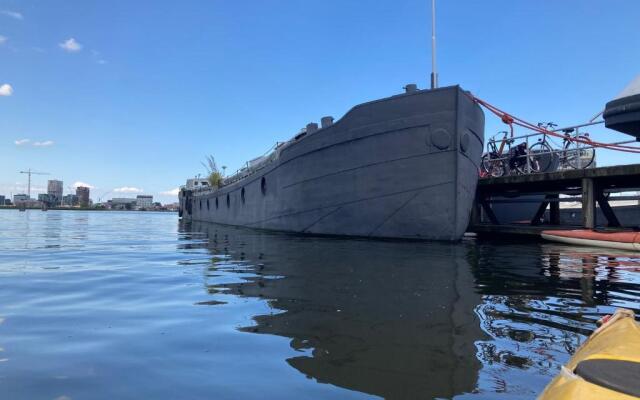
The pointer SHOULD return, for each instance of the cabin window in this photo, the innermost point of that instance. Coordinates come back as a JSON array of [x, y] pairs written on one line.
[[242, 195], [216, 202], [263, 185], [207, 204], [228, 201], [201, 204]]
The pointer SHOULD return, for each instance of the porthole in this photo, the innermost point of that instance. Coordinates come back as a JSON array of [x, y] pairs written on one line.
[[242, 195], [263, 185], [216, 202], [207, 204], [228, 201]]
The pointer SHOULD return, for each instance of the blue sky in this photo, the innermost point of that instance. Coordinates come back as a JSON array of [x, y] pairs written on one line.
[[134, 94]]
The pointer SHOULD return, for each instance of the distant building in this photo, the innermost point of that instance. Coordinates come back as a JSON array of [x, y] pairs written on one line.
[[83, 196], [122, 203], [144, 201], [54, 190], [70, 200], [20, 198], [47, 199], [2, 200], [196, 183], [172, 206]]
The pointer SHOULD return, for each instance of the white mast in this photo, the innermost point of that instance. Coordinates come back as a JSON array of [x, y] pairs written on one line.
[[434, 72]]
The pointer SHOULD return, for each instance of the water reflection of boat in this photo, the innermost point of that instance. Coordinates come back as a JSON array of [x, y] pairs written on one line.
[[395, 319]]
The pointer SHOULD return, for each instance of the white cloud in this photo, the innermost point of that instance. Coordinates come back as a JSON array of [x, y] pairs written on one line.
[[3, 39], [172, 192], [6, 90], [45, 143], [128, 189], [78, 183], [70, 45], [12, 14]]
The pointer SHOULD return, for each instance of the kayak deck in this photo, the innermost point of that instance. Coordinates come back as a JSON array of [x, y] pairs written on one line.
[[624, 240], [606, 366]]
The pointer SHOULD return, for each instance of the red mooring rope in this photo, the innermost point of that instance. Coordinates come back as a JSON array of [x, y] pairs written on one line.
[[511, 120]]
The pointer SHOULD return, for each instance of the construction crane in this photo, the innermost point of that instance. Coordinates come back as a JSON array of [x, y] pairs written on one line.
[[103, 195], [29, 172]]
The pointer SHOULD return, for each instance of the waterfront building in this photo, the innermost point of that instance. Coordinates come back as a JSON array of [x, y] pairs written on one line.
[[20, 198], [54, 190], [172, 206], [47, 199], [122, 203], [83, 196], [70, 200], [2, 200], [144, 201]]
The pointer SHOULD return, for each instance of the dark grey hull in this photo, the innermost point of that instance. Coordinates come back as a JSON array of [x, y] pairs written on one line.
[[400, 167]]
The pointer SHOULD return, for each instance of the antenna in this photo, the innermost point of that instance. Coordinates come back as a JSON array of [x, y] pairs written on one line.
[[29, 172], [434, 72]]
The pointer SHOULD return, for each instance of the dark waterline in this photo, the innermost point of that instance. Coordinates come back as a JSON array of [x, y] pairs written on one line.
[[136, 305]]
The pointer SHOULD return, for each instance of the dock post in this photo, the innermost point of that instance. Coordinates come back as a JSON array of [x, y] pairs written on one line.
[[476, 212], [554, 210], [588, 204]]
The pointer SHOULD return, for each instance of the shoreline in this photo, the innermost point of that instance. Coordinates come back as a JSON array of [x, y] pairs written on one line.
[[81, 209]]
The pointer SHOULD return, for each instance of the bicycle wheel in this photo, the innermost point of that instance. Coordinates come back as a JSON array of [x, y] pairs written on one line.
[[579, 155], [491, 166], [540, 159]]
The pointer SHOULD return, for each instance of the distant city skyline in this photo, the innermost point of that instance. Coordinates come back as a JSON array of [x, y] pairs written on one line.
[[131, 97], [55, 196]]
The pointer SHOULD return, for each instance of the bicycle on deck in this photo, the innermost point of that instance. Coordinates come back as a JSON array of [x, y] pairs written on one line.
[[518, 159], [576, 151]]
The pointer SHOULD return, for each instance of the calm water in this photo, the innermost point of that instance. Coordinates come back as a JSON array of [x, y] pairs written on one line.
[[97, 305]]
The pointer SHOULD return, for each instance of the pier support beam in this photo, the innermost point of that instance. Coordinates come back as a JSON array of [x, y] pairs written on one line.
[[551, 201], [612, 220], [486, 206], [554, 210], [537, 218], [588, 203], [476, 212]]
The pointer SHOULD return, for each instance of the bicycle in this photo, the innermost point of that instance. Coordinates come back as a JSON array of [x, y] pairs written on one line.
[[518, 159], [576, 154], [492, 162]]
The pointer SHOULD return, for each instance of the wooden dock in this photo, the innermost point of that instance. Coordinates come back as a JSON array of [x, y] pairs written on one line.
[[593, 185]]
